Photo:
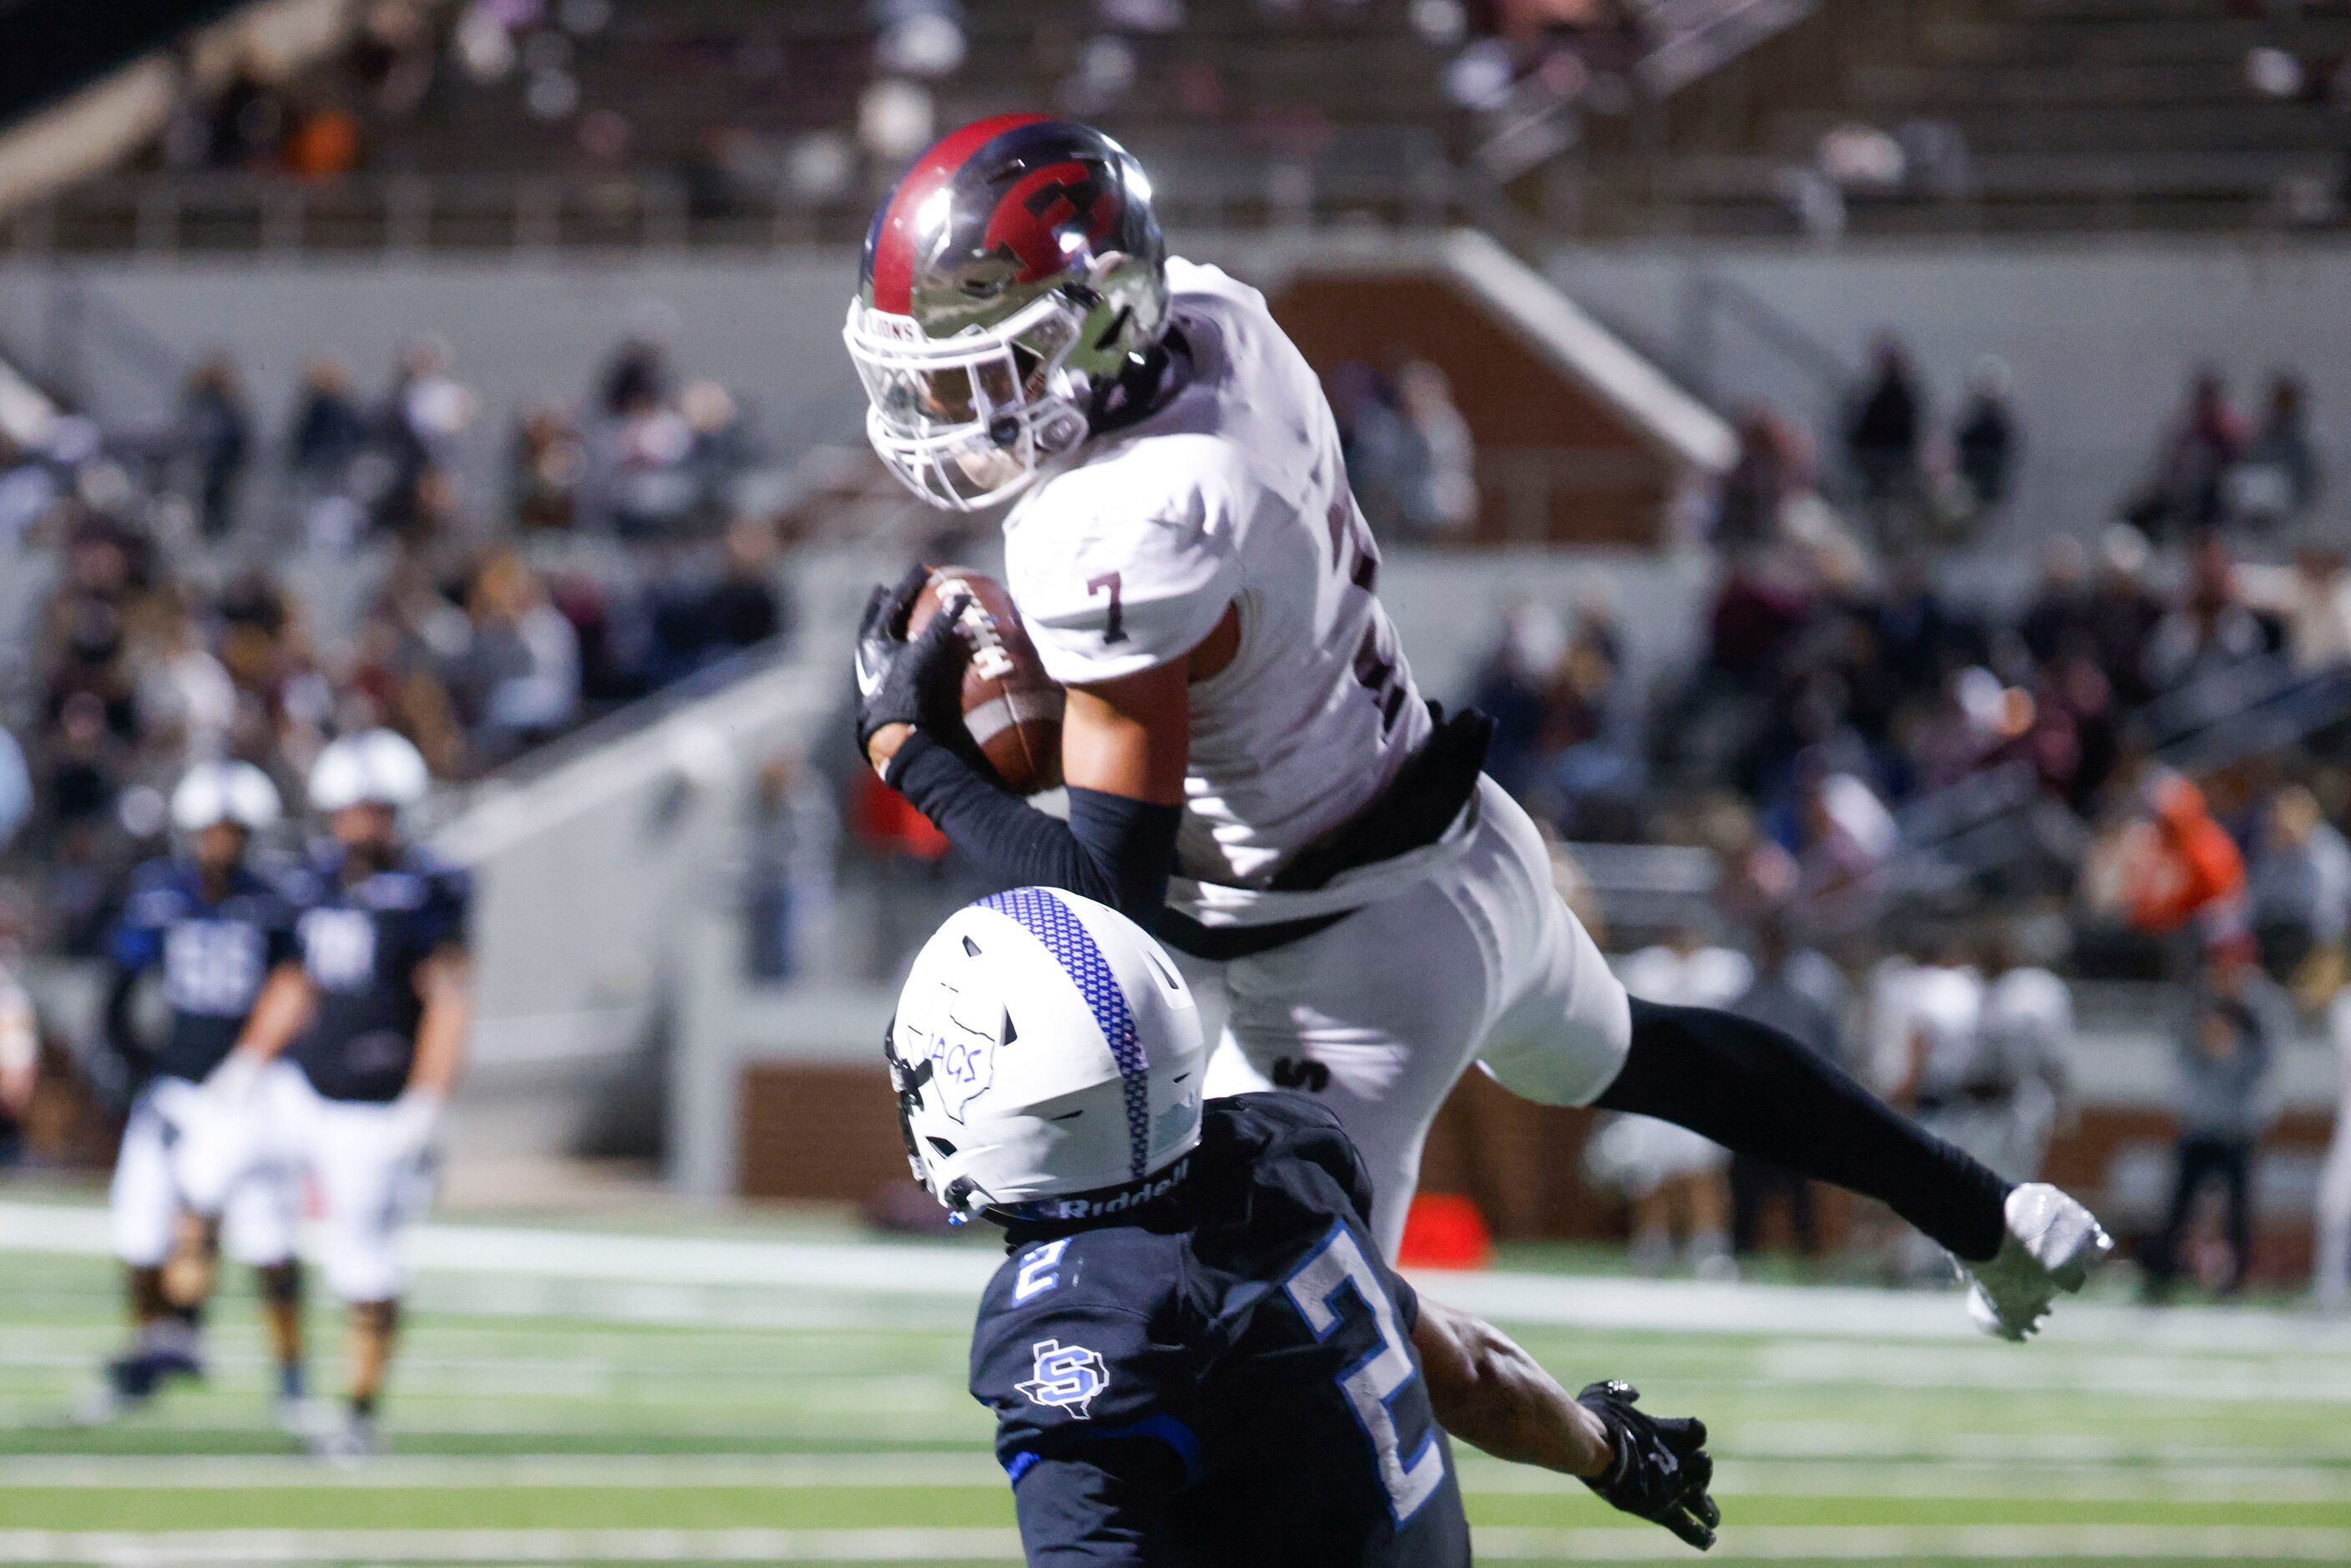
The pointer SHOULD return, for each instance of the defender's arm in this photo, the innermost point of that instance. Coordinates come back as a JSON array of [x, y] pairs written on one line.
[[1491, 1394], [1494, 1396]]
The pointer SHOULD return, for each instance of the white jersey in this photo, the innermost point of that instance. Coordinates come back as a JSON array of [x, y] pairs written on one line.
[[1232, 495]]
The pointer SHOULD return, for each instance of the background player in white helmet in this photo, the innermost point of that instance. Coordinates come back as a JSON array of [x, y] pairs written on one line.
[[209, 927], [370, 1018], [1193, 1350], [1250, 765]]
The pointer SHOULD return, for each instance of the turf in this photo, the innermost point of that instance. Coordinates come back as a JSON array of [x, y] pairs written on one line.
[[592, 1424]]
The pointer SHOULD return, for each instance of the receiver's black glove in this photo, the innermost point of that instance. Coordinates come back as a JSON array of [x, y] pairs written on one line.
[[915, 683], [1661, 1468]]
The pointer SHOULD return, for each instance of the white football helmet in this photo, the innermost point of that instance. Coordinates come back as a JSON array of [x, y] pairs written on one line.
[[1048, 1060], [211, 793], [375, 767]]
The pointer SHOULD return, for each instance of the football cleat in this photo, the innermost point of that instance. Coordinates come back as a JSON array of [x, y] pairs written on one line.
[[2051, 1246], [345, 1440]]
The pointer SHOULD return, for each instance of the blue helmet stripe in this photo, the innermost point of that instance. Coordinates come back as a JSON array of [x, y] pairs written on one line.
[[1065, 936]]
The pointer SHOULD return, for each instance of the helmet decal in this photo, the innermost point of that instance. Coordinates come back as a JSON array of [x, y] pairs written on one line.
[[1053, 922], [891, 243], [1032, 219]]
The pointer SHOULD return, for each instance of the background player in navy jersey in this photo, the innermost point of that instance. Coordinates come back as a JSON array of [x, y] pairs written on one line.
[[371, 1021], [1194, 1352], [210, 928]]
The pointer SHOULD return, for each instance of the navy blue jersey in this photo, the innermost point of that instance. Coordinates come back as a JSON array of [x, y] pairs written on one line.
[[361, 944], [1227, 1379], [212, 956]]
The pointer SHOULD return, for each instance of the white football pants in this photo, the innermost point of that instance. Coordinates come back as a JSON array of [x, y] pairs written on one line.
[[173, 1129], [1480, 962]]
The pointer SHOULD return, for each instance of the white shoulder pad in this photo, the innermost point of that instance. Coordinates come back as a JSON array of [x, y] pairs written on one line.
[[1128, 563]]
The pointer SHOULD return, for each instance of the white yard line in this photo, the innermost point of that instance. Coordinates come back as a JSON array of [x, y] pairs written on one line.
[[1857, 1544], [2240, 1481], [958, 1273]]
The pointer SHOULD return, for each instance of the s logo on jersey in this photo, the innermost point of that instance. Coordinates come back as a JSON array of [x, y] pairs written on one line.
[[1069, 1377]]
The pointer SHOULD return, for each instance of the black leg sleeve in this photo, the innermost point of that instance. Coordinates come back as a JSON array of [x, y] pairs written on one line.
[[1756, 1092]]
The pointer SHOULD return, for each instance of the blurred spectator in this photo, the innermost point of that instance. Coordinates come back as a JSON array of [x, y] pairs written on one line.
[[1440, 501], [1772, 470], [213, 433], [700, 620], [2209, 629], [2169, 868], [324, 144], [2311, 601], [796, 836], [546, 465], [519, 672], [2186, 490], [1379, 445], [2235, 1024], [2278, 477], [2299, 888], [1884, 443], [328, 428], [422, 417], [1986, 441]]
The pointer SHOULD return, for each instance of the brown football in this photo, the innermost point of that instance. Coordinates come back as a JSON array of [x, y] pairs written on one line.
[[1011, 708]]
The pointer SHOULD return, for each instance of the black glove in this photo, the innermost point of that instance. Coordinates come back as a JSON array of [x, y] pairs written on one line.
[[1661, 1468], [914, 682]]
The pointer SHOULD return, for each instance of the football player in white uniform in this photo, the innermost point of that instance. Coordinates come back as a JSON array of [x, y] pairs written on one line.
[[1253, 771]]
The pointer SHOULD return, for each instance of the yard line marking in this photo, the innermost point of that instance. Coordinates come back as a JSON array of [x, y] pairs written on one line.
[[1849, 1543], [653, 1266], [240, 1548], [1968, 1543], [884, 1470]]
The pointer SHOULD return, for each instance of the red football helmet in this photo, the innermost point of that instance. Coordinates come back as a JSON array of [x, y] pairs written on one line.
[[1014, 269]]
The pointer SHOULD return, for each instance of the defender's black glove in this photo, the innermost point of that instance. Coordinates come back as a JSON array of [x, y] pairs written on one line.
[[1661, 1468], [915, 683]]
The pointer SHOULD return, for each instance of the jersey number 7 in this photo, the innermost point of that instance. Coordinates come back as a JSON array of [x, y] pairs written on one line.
[[1319, 1287]]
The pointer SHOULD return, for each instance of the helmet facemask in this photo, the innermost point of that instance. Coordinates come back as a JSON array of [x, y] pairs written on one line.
[[968, 420]]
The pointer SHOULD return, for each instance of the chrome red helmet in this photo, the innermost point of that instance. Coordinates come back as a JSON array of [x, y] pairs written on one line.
[[1017, 265]]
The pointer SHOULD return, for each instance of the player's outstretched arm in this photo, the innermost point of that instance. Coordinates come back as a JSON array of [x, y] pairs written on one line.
[[1494, 1396], [1125, 744]]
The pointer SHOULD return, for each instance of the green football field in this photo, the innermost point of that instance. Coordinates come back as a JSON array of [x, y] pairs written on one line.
[[569, 1397]]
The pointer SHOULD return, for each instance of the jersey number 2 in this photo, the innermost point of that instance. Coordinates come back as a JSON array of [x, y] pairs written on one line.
[[1372, 1385]]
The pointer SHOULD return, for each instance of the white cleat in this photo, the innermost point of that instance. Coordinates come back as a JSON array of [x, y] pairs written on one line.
[[2053, 1243], [345, 1440], [303, 1419]]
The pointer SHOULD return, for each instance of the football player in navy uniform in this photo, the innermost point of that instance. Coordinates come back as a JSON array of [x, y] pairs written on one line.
[[210, 928], [1193, 1349], [371, 1021]]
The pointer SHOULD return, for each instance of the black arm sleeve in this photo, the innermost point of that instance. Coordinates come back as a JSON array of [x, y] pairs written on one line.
[[1113, 850], [1758, 1093], [1101, 1511]]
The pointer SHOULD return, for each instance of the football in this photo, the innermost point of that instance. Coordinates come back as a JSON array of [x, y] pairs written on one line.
[[1011, 708]]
